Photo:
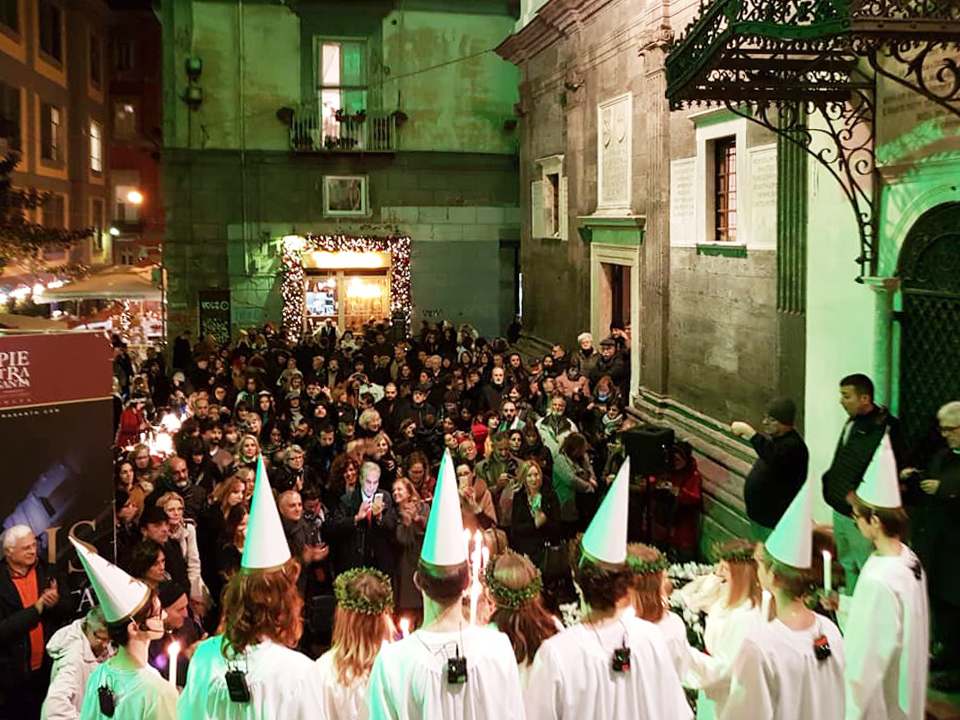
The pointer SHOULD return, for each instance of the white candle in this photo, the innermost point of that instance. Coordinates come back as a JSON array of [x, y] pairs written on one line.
[[173, 650], [466, 544], [405, 626], [827, 571], [765, 606]]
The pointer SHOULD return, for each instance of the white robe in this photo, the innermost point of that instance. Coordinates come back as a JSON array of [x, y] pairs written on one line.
[[140, 694], [724, 633], [888, 640], [340, 702], [283, 685], [777, 676], [409, 678], [675, 635], [573, 679]]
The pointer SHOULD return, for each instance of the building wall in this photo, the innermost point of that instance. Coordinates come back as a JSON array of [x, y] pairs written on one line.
[[67, 85], [233, 187]]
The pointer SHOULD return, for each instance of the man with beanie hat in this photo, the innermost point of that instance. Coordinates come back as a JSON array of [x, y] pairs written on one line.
[[780, 469]]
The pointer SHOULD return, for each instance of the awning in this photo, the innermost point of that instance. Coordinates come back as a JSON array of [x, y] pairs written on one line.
[[115, 283], [10, 321]]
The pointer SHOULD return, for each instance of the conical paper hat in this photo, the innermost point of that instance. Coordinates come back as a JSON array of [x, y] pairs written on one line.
[[881, 482], [120, 595], [443, 543], [265, 547], [791, 542], [606, 537]]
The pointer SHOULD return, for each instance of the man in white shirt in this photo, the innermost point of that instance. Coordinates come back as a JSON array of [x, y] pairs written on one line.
[[448, 668], [612, 666]]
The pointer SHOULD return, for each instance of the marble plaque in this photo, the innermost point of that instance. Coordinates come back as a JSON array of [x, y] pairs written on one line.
[[683, 209], [614, 157], [763, 196]]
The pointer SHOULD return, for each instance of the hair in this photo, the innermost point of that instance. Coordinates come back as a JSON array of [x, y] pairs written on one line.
[[13, 535], [338, 469], [357, 636], [167, 497], [143, 557], [894, 522], [224, 489], [646, 589], [524, 469], [441, 583], [796, 583], [738, 554], [950, 413], [119, 631], [603, 585], [366, 417], [95, 619], [261, 606], [574, 446], [859, 382], [290, 451], [236, 515], [530, 624]]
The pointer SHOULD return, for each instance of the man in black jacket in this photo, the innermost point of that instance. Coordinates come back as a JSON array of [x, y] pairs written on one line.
[[780, 469], [865, 427], [34, 603]]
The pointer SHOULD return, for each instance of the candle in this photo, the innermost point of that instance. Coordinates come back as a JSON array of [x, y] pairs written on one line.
[[173, 650], [405, 626], [827, 571], [765, 606], [466, 544]]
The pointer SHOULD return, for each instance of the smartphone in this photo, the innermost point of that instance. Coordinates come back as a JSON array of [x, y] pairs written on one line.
[[377, 502]]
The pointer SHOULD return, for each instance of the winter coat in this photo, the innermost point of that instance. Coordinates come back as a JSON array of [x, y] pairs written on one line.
[[73, 662]]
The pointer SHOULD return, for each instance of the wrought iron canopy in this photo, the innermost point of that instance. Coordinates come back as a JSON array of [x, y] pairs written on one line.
[[779, 62]]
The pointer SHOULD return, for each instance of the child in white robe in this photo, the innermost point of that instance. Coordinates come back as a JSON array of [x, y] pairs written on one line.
[[361, 626]]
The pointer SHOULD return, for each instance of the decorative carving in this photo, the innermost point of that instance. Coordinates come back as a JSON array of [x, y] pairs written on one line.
[[776, 62], [655, 39]]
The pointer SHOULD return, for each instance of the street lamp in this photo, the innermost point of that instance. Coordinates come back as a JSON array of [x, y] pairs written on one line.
[[115, 231], [135, 197]]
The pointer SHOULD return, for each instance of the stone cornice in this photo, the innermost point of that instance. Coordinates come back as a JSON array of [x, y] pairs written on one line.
[[553, 21]]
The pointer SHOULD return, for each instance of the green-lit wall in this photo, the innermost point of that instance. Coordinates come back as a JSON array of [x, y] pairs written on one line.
[[233, 185]]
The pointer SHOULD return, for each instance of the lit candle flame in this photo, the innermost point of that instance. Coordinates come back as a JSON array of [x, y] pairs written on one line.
[[173, 650]]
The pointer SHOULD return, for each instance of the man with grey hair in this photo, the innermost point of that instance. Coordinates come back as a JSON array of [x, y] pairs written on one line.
[[76, 650], [587, 353], [937, 543], [366, 523], [31, 610]]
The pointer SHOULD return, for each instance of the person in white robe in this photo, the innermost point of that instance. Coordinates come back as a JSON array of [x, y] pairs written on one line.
[[447, 668], [249, 671], [514, 584], [887, 630], [731, 617], [125, 687], [361, 626], [613, 665], [792, 667]]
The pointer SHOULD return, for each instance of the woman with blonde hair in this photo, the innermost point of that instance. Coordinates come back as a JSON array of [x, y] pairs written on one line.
[[361, 625], [735, 613], [184, 531], [514, 586]]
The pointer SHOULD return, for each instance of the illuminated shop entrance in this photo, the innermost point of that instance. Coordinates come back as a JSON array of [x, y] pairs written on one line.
[[350, 288], [350, 280]]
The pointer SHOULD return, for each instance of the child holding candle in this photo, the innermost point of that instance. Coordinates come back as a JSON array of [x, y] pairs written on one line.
[[361, 625]]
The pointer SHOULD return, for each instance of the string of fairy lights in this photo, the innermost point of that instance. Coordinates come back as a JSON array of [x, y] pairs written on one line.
[[292, 290]]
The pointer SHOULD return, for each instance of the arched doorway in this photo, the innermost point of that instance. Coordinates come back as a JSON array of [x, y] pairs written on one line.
[[930, 323]]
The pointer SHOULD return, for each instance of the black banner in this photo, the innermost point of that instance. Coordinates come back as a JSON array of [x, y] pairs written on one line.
[[215, 314]]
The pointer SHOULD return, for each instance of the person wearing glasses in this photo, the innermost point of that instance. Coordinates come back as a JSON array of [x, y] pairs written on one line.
[[780, 469], [937, 542], [76, 650]]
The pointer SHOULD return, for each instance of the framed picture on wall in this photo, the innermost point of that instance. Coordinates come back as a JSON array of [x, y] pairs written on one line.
[[345, 195]]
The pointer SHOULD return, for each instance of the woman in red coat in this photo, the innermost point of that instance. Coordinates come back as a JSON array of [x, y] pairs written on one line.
[[132, 423]]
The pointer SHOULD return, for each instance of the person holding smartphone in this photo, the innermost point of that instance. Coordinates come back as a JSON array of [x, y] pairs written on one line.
[[365, 525]]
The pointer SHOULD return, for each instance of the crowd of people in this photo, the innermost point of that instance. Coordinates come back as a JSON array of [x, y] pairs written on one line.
[[314, 502]]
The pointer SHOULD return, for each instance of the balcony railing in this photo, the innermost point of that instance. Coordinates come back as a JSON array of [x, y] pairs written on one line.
[[311, 131]]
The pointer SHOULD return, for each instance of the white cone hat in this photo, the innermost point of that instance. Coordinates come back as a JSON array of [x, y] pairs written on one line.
[[266, 545], [119, 594], [881, 482], [606, 537], [443, 543], [791, 542]]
